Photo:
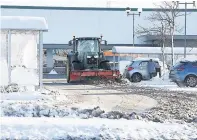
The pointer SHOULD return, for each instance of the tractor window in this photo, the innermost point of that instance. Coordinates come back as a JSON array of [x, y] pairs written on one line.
[[88, 46]]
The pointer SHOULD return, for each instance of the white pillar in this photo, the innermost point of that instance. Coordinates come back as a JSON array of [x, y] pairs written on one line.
[[40, 59], [9, 56]]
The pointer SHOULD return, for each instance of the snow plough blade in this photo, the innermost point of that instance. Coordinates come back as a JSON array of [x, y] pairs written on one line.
[[84, 75]]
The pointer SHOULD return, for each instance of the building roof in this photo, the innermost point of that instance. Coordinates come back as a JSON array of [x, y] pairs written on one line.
[[83, 8], [103, 47], [152, 50], [176, 37], [23, 23]]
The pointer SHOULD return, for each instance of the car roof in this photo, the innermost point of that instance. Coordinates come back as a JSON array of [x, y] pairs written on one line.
[[146, 59]]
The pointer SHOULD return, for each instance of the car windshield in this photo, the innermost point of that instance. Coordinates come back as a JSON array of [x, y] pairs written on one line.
[[88, 46], [179, 64]]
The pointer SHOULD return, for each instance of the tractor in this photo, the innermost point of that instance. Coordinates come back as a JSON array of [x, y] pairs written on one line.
[[86, 60]]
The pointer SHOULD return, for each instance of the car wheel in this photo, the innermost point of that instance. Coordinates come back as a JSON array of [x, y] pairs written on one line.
[[191, 81], [136, 78]]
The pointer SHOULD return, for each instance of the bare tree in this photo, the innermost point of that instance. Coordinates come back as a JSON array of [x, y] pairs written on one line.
[[163, 24]]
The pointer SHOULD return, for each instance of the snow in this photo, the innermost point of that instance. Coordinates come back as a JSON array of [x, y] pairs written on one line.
[[23, 76], [3, 72], [64, 128], [24, 61], [188, 58], [53, 72], [151, 50], [143, 58], [23, 23], [122, 65], [21, 96], [164, 83]]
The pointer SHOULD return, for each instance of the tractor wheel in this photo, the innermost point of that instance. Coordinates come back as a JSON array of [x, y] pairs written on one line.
[[77, 65], [105, 65], [68, 72]]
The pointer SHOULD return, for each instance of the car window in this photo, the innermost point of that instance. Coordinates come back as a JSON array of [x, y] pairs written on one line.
[[131, 63], [143, 63], [181, 63], [194, 64]]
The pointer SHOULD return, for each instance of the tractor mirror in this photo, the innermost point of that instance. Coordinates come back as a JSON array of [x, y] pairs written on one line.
[[104, 42], [70, 43]]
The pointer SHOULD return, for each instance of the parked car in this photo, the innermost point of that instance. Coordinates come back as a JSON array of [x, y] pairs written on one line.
[[137, 70], [184, 73]]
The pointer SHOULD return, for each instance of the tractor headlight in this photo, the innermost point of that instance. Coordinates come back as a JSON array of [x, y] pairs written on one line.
[[96, 56], [88, 56]]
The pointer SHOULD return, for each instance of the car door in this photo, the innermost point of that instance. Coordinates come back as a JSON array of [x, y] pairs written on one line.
[[194, 68], [143, 68]]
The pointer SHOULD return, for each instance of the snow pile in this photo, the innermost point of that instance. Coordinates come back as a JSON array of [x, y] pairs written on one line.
[[122, 66], [23, 76], [39, 109], [24, 67], [188, 58], [70, 128], [3, 72], [53, 72], [23, 96]]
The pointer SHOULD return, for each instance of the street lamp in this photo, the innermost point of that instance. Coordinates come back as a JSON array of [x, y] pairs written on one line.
[[128, 11], [185, 3]]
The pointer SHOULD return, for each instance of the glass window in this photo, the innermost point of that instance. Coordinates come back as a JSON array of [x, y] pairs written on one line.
[[194, 64], [88, 46], [144, 63]]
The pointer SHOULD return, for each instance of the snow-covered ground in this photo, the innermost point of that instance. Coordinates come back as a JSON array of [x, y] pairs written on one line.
[[61, 128], [32, 115], [163, 83]]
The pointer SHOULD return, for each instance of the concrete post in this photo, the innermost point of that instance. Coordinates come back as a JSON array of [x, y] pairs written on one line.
[[41, 59], [9, 57], [49, 58]]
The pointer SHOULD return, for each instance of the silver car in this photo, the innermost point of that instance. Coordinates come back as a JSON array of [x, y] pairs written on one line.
[[137, 70]]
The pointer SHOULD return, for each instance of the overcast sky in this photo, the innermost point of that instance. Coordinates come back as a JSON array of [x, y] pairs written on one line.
[[85, 3]]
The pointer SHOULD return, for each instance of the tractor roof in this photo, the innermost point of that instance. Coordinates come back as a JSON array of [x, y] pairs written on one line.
[[87, 38]]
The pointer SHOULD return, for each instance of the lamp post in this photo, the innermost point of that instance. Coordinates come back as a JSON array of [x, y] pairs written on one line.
[[185, 3], [128, 10]]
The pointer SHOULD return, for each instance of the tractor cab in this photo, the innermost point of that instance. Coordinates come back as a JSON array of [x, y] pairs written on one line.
[[87, 52]]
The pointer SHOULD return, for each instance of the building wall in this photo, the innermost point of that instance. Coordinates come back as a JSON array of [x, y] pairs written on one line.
[[114, 25]]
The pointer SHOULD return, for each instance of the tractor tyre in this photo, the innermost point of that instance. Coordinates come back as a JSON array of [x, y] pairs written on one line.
[[105, 65], [77, 65], [68, 72]]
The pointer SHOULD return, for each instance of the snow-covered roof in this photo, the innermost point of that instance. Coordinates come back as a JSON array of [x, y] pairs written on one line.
[[143, 58], [152, 50], [23, 23]]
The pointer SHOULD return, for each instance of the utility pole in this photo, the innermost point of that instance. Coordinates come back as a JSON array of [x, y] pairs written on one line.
[[128, 10], [186, 3]]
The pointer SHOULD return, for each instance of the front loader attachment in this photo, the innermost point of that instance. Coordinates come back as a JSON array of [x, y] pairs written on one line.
[[79, 75]]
